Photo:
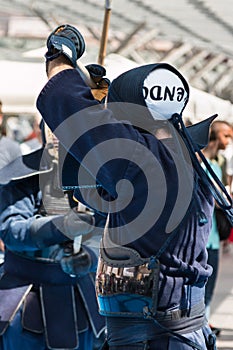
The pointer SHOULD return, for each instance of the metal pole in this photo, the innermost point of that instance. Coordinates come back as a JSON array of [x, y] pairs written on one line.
[[104, 36]]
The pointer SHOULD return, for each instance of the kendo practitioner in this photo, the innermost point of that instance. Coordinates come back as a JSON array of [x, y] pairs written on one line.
[[47, 292], [153, 266]]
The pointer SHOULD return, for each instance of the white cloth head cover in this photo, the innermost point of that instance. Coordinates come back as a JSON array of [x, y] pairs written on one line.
[[164, 93]]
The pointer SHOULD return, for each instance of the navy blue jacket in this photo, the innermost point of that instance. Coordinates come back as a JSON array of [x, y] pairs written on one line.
[[112, 151]]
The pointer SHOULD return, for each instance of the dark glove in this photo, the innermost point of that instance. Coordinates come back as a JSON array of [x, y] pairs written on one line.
[[76, 224], [97, 73], [76, 264], [65, 40]]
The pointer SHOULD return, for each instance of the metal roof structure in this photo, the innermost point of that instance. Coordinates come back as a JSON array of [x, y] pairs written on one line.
[[194, 35]]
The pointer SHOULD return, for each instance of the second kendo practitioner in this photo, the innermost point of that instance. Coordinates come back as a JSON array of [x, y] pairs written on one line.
[[47, 293], [153, 262]]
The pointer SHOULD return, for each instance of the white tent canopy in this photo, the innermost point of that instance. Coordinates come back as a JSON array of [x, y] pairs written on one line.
[[21, 83]]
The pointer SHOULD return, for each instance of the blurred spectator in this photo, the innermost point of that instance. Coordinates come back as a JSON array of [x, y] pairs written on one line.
[[220, 136], [229, 167], [33, 140], [224, 135], [9, 149], [229, 170]]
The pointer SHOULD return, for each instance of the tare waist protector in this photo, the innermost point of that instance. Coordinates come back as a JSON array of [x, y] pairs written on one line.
[[127, 287]]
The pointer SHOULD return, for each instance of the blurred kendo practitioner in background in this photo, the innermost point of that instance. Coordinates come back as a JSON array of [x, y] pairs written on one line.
[[153, 263], [47, 291]]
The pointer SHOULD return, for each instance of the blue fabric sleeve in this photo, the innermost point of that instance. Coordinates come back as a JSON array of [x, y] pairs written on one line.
[[21, 228]]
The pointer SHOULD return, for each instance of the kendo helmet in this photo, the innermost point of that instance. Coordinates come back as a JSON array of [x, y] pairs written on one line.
[[160, 87], [163, 90]]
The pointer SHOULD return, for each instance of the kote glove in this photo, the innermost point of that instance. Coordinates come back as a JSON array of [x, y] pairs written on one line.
[[76, 223], [65, 40], [97, 73], [76, 264]]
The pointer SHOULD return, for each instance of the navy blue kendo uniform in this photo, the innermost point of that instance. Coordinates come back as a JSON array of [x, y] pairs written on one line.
[[41, 306], [153, 262]]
